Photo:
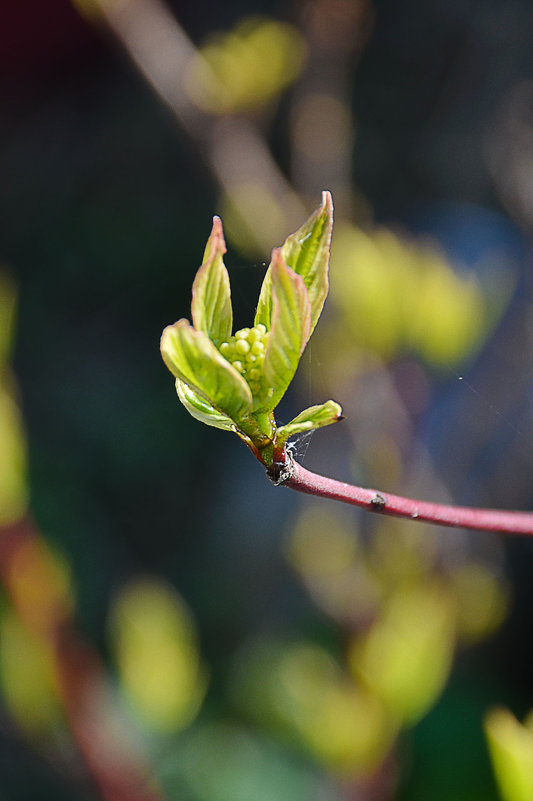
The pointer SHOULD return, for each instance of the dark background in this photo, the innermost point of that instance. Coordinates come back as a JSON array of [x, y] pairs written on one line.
[[105, 207]]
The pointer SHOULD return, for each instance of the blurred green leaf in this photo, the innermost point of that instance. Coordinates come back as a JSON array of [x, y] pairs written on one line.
[[211, 294], [511, 751], [399, 294], [156, 650], [220, 761], [405, 657], [299, 690], [8, 302], [13, 464], [28, 677], [246, 68]]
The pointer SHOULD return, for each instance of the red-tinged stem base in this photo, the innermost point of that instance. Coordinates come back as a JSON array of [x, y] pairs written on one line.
[[288, 473]]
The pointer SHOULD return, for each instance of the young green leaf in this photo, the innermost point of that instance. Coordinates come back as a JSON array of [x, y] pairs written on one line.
[[191, 356], [291, 322], [200, 409], [311, 418], [211, 295], [307, 252], [511, 750]]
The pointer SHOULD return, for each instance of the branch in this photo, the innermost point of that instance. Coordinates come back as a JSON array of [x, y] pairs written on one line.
[[288, 473]]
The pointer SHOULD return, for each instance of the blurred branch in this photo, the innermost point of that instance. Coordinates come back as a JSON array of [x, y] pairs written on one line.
[[322, 123], [509, 151], [290, 474], [233, 147]]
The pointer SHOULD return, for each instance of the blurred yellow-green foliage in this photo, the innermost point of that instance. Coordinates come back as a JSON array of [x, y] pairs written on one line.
[[13, 489], [395, 295], [300, 691], [511, 749], [245, 69], [29, 679], [157, 656], [407, 616], [405, 657]]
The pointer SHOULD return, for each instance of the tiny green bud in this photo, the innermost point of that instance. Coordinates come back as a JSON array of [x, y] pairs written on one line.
[[242, 346], [242, 334], [258, 348], [225, 348], [238, 366], [261, 328]]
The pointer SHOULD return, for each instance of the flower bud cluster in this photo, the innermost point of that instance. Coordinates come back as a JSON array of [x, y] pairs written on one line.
[[245, 350]]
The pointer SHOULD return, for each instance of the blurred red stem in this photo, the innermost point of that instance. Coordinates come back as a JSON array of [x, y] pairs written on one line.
[[288, 473]]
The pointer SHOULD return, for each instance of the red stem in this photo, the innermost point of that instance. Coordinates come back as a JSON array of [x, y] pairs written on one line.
[[289, 473]]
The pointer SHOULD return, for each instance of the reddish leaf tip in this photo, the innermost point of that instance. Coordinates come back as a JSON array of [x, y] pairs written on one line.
[[216, 239], [277, 258], [327, 199]]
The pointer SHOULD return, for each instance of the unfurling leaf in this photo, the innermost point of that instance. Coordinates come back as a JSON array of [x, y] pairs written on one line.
[[191, 356], [291, 322], [307, 253], [200, 409], [211, 294], [311, 418]]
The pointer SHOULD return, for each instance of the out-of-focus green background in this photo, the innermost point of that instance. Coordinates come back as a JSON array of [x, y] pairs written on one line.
[[171, 625]]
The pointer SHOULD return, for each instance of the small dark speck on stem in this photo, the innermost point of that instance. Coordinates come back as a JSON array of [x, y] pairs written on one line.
[[378, 502]]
